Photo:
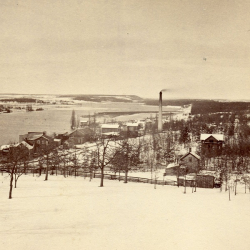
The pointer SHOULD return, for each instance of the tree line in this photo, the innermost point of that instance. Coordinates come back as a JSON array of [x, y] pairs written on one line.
[[118, 156]]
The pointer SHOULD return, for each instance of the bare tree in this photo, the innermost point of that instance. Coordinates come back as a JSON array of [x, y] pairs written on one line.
[[47, 152], [21, 168], [64, 160], [104, 154], [88, 162], [16, 157], [55, 160], [127, 156], [75, 162], [149, 155], [40, 163]]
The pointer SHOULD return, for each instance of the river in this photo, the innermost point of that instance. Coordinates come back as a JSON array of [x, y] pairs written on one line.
[[56, 119]]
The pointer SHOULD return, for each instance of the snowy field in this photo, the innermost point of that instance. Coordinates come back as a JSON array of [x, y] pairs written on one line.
[[73, 213]]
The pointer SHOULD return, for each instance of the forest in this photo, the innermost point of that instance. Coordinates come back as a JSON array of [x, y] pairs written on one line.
[[205, 106]]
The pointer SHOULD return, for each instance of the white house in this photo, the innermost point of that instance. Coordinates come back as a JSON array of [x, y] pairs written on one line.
[[110, 129]]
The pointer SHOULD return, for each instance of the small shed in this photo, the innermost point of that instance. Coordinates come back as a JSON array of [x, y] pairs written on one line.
[[201, 181], [205, 181]]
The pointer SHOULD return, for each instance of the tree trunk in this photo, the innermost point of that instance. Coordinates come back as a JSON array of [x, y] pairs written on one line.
[[47, 170], [126, 177], [15, 180], [11, 182], [235, 188], [195, 183], [102, 176], [185, 185], [46, 173]]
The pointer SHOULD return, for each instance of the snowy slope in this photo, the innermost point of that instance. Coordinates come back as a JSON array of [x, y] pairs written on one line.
[[73, 213]]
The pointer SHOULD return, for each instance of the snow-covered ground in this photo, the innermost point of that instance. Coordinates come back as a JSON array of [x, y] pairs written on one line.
[[74, 213]]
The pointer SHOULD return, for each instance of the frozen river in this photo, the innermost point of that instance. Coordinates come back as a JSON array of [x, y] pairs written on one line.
[[55, 119]]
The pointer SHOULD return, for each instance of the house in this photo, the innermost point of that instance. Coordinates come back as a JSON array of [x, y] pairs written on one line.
[[83, 122], [110, 129], [132, 126], [26, 146], [211, 144], [132, 129], [190, 162], [62, 137], [80, 136], [39, 140], [5, 149]]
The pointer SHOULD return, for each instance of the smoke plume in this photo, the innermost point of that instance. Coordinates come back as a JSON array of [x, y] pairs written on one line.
[[165, 90]]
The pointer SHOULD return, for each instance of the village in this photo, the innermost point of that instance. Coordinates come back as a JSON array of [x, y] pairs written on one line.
[[174, 149], [161, 168]]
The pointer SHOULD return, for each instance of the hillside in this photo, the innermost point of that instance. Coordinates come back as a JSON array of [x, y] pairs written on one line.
[[105, 98], [205, 106]]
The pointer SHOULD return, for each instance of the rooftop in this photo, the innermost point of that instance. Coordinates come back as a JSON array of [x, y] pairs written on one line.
[[219, 137]]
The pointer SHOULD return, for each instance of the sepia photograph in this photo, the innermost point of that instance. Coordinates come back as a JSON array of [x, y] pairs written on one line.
[[124, 124]]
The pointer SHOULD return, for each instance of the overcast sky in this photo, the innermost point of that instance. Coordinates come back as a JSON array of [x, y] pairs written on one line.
[[194, 48]]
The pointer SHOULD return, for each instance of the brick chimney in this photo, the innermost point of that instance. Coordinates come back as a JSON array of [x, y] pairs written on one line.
[[160, 113]]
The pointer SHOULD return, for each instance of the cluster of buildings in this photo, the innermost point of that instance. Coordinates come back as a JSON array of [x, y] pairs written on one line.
[[189, 162], [37, 141], [188, 165]]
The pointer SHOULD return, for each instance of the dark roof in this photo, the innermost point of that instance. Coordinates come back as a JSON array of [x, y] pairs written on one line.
[[32, 136], [191, 153], [81, 132]]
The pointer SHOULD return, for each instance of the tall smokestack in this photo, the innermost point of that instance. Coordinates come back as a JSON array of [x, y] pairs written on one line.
[[160, 113]]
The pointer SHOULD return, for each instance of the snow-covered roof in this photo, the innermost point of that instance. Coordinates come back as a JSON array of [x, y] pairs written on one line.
[[27, 145], [83, 120], [132, 124], [111, 133], [4, 147], [219, 137], [110, 125], [187, 177], [171, 165]]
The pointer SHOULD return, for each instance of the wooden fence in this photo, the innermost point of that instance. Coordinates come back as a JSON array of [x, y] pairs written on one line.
[[201, 181], [131, 179]]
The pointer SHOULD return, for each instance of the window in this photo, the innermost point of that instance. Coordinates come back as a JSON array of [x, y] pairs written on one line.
[[38, 141], [190, 159]]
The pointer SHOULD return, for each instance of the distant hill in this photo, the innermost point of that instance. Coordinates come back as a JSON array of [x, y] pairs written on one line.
[[205, 106], [199, 106], [106, 98], [21, 100]]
